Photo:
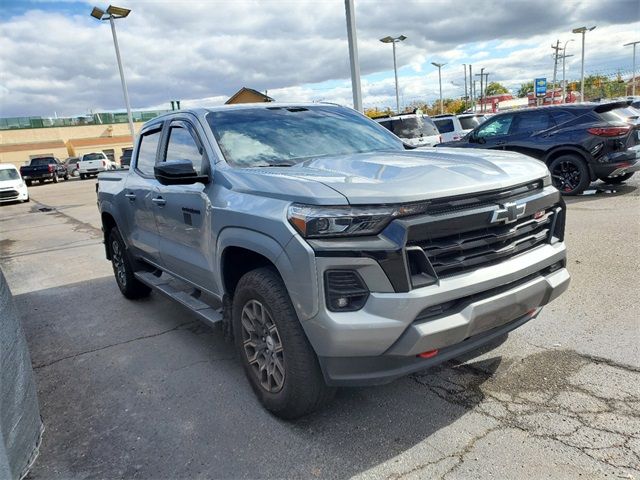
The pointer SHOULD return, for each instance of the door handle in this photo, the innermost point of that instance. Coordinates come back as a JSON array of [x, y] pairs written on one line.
[[130, 196], [159, 201], [501, 143]]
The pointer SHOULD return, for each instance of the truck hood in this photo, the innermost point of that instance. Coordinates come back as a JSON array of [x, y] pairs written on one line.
[[398, 177]]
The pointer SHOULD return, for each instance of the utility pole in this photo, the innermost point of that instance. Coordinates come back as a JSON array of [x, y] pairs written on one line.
[[564, 81], [466, 99], [472, 87], [481, 75], [633, 70], [353, 54], [555, 69]]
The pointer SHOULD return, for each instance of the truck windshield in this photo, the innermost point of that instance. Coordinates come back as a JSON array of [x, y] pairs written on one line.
[[8, 174], [41, 161], [92, 156], [261, 137]]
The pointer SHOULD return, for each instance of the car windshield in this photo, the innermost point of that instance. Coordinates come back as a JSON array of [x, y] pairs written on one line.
[[260, 137], [41, 161], [414, 127], [469, 123], [9, 174]]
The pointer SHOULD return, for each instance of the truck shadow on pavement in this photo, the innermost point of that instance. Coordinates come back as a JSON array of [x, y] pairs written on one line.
[[142, 390]]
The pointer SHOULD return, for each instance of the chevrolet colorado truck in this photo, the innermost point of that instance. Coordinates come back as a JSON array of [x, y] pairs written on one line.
[[332, 253]]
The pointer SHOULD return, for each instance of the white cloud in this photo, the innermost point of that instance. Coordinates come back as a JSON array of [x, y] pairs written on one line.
[[202, 52]]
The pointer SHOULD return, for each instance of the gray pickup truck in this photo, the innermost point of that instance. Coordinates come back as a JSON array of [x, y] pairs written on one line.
[[332, 253]]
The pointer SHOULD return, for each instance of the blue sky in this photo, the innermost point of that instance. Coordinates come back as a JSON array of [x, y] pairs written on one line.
[[203, 51]]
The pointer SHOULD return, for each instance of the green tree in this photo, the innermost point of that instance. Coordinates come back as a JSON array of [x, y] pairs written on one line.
[[495, 88], [525, 88]]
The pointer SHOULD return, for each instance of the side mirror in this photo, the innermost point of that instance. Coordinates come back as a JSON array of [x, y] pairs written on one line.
[[178, 172]]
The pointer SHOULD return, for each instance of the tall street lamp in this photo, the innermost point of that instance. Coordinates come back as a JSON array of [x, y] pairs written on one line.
[[439, 65], [113, 13], [393, 41], [353, 54], [582, 30], [633, 71]]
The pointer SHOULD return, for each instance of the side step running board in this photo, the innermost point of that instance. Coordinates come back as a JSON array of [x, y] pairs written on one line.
[[203, 311]]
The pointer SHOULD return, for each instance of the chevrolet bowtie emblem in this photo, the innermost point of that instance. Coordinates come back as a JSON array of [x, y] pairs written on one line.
[[509, 212]]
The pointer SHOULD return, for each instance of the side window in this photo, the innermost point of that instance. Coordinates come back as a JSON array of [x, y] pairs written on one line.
[[497, 127], [182, 146], [147, 151], [561, 116], [444, 126], [531, 122]]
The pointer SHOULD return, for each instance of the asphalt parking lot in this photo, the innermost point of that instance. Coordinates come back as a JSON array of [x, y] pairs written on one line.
[[142, 390]]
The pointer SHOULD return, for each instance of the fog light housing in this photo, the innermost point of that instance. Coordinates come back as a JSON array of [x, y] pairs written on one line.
[[345, 290]]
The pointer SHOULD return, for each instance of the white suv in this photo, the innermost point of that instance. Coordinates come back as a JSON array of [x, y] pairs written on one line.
[[454, 127], [414, 129]]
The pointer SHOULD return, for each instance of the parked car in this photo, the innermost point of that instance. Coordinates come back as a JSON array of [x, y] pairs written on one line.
[[91, 164], [43, 168], [415, 129], [12, 187], [578, 142], [333, 253], [125, 158], [454, 127], [71, 164]]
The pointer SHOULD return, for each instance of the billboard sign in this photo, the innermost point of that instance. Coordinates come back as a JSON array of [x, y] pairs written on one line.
[[540, 87]]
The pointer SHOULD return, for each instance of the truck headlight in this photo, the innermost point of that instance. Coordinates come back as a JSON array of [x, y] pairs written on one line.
[[316, 221]]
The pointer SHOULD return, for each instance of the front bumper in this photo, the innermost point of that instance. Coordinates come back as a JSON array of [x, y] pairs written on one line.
[[381, 341], [477, 322], [14, 194]]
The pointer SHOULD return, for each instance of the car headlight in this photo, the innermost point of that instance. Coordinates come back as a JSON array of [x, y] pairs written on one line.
[[316, 221]]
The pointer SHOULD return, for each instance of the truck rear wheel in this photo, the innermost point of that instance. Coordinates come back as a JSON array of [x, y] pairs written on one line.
[[277, 358], [123, 270], [55, 178]]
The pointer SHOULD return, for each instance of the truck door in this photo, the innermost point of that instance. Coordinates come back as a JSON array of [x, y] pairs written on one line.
[[184, 215], [140, 188]]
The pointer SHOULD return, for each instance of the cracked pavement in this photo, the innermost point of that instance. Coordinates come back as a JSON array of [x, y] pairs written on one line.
[[141, 390]]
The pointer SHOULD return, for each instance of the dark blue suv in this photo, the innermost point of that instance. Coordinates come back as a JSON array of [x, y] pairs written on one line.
[[579, 142]]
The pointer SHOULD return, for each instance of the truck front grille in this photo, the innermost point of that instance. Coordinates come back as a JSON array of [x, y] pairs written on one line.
[[463, 252]]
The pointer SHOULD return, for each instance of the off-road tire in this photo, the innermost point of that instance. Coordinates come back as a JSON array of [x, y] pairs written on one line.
[[304, 389], [129, 285], [82, 176], [617, 180], [575, 172]]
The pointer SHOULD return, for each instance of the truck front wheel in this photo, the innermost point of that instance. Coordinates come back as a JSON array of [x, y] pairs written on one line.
[[128, 284], [277, 358]]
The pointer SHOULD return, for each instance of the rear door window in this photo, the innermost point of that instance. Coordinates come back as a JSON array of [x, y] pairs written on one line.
[[445, 125], [561, 116], [531, 122], [147, 151]]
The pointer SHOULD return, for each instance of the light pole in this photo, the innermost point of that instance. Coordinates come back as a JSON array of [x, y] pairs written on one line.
[[633, 70], [393, 41], [472, 87], [112, 14], [564, 81], [353, 54], [481, 75], [582, 30], [440, 65]]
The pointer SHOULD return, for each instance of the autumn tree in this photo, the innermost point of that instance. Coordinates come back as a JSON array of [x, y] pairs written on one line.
[[495, 88], [524, 89]]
